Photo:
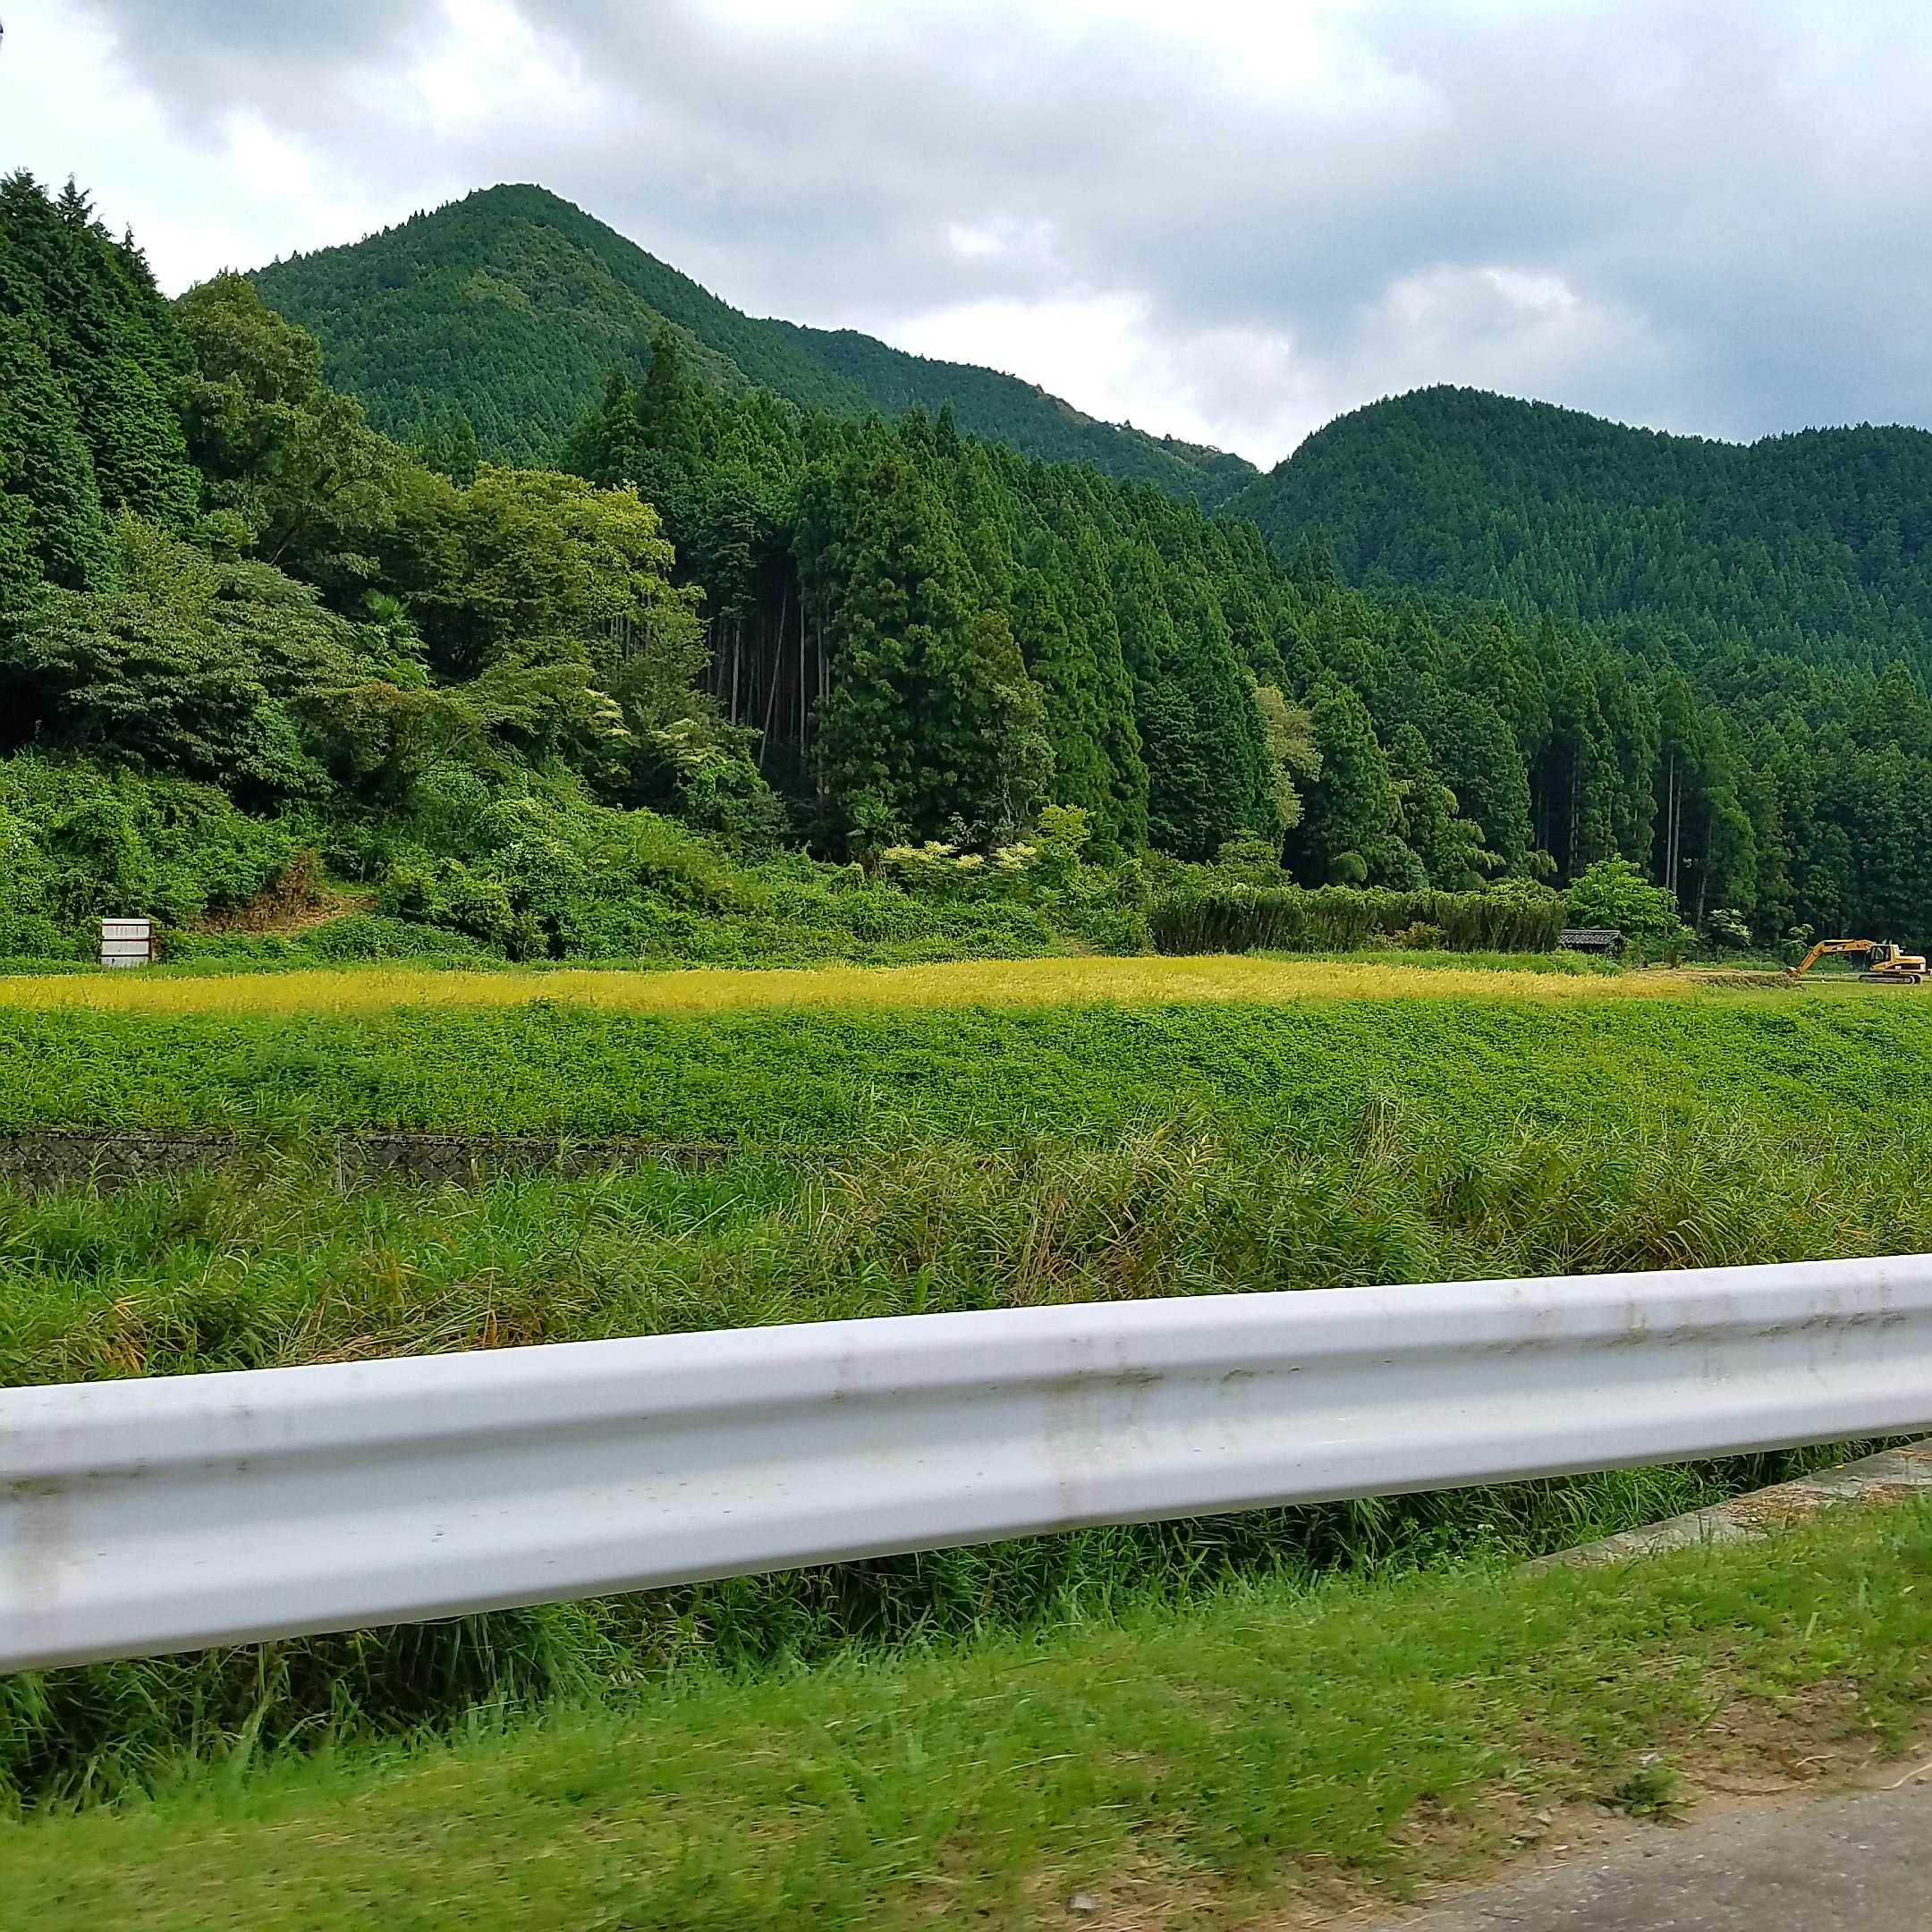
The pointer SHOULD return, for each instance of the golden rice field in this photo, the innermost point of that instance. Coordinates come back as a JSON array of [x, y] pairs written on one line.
[[1033, 982]]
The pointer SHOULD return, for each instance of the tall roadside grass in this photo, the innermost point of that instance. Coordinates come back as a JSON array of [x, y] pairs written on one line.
[[272, 1266]]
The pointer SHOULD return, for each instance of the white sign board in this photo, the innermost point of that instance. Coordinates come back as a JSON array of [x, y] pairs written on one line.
[[126, 942]]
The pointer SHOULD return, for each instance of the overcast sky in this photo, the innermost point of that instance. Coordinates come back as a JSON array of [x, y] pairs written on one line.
[[1214, 218]]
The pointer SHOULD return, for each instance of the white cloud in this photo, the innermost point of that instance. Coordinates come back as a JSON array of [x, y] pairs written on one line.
[[224, 189], [1525, 331], [483, 58], [1093, 353], [1226, 222], [1005, 237]]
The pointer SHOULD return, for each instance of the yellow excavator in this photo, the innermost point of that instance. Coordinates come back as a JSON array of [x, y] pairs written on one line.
[[1883, 961]]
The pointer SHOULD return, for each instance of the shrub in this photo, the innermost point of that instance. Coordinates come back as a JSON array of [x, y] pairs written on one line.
[[78, 844], [1614, 893], [1520, 917], [1420, 938]]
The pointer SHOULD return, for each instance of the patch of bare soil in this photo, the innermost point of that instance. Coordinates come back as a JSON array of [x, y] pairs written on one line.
[[293, 903]]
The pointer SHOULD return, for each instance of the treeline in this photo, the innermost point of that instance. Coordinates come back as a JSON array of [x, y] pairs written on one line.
[[1385, 740], [938, 637], [1817, 545], [461, 684]]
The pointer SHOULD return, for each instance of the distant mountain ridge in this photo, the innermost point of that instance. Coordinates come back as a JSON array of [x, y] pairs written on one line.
[[1821, 536], [512, 306]]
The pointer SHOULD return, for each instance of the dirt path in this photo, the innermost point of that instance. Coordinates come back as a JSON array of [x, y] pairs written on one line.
[[1857, 1862]]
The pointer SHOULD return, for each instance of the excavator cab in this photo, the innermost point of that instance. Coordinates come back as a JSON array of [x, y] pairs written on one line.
[[1889, 962]]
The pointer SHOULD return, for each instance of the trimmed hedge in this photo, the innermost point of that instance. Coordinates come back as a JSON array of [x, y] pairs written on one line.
[[1248, 918]]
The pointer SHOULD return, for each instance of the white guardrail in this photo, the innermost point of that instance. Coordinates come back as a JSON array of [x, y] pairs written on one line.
[[147, 1516]]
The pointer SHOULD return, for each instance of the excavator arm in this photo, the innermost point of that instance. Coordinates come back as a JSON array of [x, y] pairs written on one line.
[[1831, 946]]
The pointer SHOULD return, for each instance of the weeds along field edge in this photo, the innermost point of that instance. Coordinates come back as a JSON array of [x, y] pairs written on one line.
[[964, 982], [276, 1267], [270, 1263]]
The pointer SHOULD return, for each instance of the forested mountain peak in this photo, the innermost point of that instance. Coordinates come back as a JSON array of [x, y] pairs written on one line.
[[1818, 541], [511, 307]]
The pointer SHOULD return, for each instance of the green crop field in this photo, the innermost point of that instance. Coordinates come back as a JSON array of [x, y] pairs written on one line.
[[807, 1073]]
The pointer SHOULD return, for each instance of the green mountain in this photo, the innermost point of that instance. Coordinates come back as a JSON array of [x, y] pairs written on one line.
[[1022, 415], [511, 307], [1818, 540]]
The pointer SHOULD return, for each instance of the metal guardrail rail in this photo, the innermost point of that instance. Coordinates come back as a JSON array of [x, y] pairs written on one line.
[[156, 1515]]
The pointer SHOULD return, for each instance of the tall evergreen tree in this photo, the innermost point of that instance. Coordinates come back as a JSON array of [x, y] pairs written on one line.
[[52, 524], [1209, 772], [1576, 778], [932, 719], [1088, 599], [92, 307], [1060, 660], [664, 404], [1350, 808], [1477, 756], [1630, 715], [1430, 823]]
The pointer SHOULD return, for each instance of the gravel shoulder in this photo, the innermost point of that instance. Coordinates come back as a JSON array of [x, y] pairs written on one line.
[[1851, 1862]]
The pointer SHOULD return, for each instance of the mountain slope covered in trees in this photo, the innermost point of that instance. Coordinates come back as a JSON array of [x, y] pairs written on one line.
[[510, 308], [1818, 543]]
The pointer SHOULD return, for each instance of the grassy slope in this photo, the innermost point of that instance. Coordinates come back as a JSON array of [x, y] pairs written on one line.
[[1308, 1066], [1189, 1769], [273, 1266]]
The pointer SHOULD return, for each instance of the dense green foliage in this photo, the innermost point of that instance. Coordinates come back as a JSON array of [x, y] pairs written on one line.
[[87, 354], [1246, 919], [1813, 543], [1711, 658], [476, 693], [941, 638], [503, 313], [78, 844], [1382, 740], [1613, 895]]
